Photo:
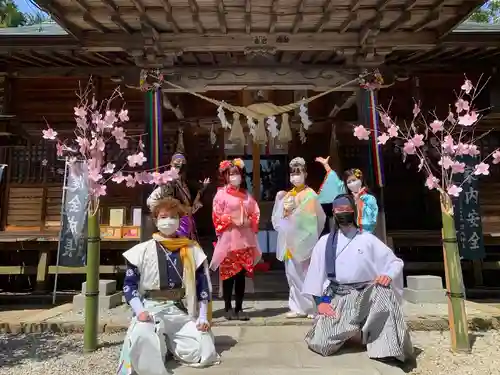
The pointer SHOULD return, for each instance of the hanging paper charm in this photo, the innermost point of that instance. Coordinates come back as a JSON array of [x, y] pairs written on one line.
[[285, 134], [302, 135], [304, 117], [252, 127], [260, 136], [213, 136], [237, 136], [272, 126], [222, 117]]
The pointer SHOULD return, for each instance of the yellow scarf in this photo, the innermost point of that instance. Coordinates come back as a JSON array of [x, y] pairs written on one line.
[[293, 193], [182, 244]]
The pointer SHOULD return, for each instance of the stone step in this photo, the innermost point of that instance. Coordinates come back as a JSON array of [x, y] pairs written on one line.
[[106, 287], [425, 296], [424, 282], [105, 302]]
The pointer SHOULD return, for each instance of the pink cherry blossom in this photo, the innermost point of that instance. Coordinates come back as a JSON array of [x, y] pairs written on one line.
[[98, 190], [109, 119], [468, 119], [431, 182], [454, 190], [81, 122], [462, 105], [80, 112], [123, 143], [157, 178], [136, 159], [84, 144], [416, 110], [482, 169], [467, 86], [496, 157], [383, 138], [118, 133], [448, 145], [49, 133], [130, 181], [458, 167], [451, 118], [59, 149], [94, 174], [409, 148], [417, 140], [473, 150], [109, 168], [393, 131], [437, 126], [446, 162], [118, 178], [386, 120], [361, 133], [97, 144], [123, 115]]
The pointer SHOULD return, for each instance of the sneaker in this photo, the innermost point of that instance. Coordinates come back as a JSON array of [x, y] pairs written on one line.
[[295, 315], [311, 316], [229, 315]]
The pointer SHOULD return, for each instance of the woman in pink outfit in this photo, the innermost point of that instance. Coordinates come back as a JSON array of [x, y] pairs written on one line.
[[236, 220]]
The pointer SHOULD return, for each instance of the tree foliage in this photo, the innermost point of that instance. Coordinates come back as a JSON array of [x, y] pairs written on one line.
[[489, 13], [11, 16]]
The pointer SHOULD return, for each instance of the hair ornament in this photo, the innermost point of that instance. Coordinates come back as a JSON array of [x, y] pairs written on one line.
[[297, 162], [357, 173]]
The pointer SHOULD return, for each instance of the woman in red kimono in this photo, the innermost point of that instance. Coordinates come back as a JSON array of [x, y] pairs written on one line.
[[236, 220]]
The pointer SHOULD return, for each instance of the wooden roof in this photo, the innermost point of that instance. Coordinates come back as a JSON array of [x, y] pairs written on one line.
[[156, 32]]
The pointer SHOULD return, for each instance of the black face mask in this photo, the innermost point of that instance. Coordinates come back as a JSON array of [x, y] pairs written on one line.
[[344, 218]]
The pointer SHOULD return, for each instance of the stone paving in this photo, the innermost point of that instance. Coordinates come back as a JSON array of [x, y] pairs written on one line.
[[420, 317]]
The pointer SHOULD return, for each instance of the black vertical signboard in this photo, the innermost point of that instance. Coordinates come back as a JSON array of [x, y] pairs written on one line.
[[467, 212], [72, 248]]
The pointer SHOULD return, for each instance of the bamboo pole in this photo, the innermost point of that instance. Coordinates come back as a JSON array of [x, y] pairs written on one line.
[[454, 279], [92, 286]]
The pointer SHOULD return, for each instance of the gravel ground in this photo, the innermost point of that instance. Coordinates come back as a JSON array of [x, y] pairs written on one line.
[[61, 355]]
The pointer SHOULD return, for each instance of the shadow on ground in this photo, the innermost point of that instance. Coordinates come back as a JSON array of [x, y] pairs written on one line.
[[15, 349], [261, 313]]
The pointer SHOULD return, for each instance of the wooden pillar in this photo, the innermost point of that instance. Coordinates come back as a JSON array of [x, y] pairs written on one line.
[[335, 162]]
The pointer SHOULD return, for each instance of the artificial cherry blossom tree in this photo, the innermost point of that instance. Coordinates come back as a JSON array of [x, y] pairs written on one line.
[[438, 144], [100, 127]]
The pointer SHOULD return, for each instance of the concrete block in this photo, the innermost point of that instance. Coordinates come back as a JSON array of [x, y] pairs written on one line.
[[106, 287], [425, 296], [424, 282], [105, 302]]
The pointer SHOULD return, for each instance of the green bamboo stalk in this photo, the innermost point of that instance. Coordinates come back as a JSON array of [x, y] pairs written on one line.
[[454, 280], [92, 287]]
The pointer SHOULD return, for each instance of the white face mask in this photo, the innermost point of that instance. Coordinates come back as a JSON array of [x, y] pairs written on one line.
[[297, 179], [235, 180], [168, 225], [354, 185]]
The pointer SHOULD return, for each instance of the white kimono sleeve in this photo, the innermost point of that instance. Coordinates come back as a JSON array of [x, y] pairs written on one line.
[[316, 279], [388, 264]]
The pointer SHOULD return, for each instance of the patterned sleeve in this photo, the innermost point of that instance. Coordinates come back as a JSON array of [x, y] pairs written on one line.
[[202, 287], [184, 227], [254, 216], [331, 187], [131, 283], [221, 220], [369, 213]]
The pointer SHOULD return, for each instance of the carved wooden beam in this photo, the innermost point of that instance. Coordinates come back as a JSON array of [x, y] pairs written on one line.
[[372, 26], [240, 41], [248, 16], [195, 16], [405, 15], [168, 15], [431, 17], [353, 16], [274, 16], [221, 14], [116, 17], [57, 14], [87, 17], [328, 7], [298, 17]]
